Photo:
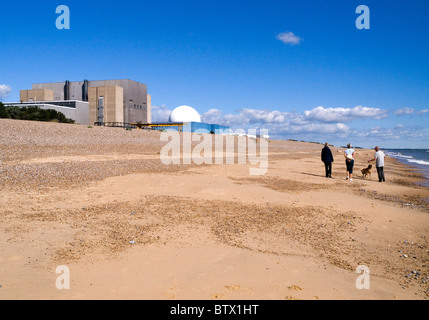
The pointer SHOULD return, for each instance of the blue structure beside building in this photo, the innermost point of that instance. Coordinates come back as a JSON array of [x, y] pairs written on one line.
[[204, 128], [192, 127]]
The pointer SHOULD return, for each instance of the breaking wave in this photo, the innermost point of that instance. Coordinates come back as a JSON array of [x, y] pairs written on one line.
[[421, 162]]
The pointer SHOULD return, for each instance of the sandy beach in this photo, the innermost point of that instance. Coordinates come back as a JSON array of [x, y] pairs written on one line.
[[99, 201]]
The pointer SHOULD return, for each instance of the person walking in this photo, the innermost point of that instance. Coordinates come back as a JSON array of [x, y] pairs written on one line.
[[379, 159], [327, 159], [349, 154]]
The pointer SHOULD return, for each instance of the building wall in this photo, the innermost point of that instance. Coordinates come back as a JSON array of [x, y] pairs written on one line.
[[57, 88], [80, 114], [149, 109], [113, 103], [135, 104], [36, 95], [75, 90]]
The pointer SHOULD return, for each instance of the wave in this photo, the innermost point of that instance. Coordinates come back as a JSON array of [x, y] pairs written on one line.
[[400, 155], [421, 162]]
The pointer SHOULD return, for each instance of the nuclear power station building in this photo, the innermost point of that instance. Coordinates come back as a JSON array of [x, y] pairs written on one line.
[[90, 102], [111, 103]]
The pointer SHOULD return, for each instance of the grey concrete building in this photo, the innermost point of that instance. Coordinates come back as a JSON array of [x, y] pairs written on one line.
[[135, 105]]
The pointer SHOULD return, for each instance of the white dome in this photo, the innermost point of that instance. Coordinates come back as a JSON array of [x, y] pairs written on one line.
[[185, 114]]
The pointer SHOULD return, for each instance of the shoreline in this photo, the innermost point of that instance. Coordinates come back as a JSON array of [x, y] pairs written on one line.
[[424, 178], [416, 177]]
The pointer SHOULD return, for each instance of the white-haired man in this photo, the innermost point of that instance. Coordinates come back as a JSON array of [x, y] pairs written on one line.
[[379, 159]]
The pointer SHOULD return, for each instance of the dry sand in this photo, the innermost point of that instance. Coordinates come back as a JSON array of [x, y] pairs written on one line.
[[99, 201]]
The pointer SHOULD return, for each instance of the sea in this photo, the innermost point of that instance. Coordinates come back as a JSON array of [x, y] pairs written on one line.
[[419, 158]]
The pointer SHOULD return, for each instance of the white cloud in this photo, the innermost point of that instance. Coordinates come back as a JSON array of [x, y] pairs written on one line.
[[403, 111], [160, 114], [324, 120], [245, 117], [424, 111], [278, 123], [336, 115], [4, 90], [315, 128], [289, 38], [410, 111], [212, 116], [318, 124], [403, 133]]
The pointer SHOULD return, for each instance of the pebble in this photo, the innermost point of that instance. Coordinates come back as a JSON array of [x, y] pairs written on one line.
[[22, 141]]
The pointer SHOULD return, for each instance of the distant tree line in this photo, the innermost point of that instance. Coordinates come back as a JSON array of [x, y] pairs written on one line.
[[32, 113]]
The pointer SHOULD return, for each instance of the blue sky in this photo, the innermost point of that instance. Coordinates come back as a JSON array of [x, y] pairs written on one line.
[[300, 69]]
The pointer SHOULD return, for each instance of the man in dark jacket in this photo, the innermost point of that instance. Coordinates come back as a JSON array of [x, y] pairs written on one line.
[[327, 159]]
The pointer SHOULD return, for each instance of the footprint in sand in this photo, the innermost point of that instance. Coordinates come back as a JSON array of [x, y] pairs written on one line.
[[217, 296], [233, 287], [171, 293], [237, 287], [295, 288]]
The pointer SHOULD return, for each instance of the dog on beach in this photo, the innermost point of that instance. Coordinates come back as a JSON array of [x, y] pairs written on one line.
[[367, 171]]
